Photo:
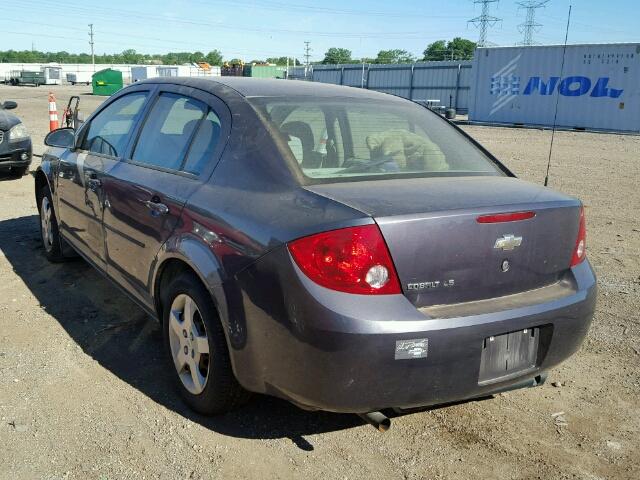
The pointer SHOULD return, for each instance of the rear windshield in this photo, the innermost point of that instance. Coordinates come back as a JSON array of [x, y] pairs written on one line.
[[348, 139]]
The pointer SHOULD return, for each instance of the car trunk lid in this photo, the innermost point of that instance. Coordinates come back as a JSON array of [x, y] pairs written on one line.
[[444, 255]]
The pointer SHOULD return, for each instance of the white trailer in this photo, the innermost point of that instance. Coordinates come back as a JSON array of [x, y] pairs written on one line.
[[143, 72], [171, 71], [598, 89], [52, 75], [79, 77]]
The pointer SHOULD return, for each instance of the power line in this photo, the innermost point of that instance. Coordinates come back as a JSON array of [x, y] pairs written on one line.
[[601, 26], [530, 25], [128, 44], [286, 6], [132, 15], [484, 21]]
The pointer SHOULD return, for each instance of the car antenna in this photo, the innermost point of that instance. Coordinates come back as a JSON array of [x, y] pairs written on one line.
[[555, 115]]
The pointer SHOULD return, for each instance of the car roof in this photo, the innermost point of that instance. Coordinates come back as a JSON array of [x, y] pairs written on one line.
[[267, 87]]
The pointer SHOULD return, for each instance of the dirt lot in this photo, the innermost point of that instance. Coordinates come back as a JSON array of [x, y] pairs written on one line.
[[84, 393]]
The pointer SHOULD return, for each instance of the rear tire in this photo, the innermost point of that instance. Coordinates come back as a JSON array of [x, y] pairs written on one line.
[[51, 241], [197, 348]]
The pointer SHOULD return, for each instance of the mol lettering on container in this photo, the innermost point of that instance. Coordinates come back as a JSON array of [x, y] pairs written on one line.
[[598, 88]]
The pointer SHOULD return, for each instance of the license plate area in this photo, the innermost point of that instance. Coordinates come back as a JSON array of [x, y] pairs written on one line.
[[508, 355]]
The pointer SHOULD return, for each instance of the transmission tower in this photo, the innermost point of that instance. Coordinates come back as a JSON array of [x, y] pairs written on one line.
[[530, 25], [484, 21]]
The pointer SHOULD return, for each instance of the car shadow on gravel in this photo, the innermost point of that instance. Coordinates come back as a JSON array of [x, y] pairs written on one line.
[[9, 176], [123, 339]]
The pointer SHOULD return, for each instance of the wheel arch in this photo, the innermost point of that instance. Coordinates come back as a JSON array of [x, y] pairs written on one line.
[[41, 180], [188, 254]]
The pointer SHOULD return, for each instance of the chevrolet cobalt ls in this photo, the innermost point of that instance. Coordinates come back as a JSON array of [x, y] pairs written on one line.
[[343, 249]]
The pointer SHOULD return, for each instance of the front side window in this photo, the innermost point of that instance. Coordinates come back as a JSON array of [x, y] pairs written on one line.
[[168, 131], [109, 131], [346, 138]]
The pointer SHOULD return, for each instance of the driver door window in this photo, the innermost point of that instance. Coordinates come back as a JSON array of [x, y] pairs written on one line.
[[108, 133]]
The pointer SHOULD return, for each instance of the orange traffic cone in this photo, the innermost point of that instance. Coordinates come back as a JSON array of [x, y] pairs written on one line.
[[53, 112]]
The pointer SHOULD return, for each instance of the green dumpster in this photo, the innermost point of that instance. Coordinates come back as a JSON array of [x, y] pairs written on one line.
[[107, 82], [264, 71]]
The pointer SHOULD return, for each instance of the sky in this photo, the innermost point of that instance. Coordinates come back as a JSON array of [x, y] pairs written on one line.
[[257, 29]]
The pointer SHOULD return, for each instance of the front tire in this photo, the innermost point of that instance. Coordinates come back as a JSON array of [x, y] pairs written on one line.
[[197, 348], [49, 232]]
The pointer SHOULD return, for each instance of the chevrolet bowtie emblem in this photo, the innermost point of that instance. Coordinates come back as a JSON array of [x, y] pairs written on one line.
[[508, 242]]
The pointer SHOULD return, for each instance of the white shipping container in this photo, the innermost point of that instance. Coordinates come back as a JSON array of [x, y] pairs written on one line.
[[599, 87]]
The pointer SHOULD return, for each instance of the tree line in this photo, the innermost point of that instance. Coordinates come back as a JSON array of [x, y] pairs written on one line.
[[130, 56], [456, 49]]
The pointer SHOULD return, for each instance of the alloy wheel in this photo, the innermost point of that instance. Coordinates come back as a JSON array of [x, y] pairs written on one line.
[[189, 344], [45, 223]]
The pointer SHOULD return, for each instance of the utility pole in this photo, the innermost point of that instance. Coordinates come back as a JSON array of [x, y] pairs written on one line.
[[484, 21], [307, 53], [530, 25], [93, 57]]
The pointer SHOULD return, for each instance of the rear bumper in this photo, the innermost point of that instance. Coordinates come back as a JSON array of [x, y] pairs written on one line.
[[322, 350]]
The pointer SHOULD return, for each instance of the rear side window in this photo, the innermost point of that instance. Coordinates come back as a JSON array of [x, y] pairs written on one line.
[[168, 131], [204, 144], [109, 131], [350, 139]]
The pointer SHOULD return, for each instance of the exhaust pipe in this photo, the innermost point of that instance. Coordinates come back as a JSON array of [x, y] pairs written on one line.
[[377, 420]]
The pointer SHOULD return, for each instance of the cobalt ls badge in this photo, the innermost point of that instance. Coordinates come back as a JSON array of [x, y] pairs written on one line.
[[410, 349]]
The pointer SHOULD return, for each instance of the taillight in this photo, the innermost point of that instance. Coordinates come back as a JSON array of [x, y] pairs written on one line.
[[351, 260], [580, 250]]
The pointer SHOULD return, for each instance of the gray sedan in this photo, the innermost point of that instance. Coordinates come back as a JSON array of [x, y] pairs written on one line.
[[343, 249]]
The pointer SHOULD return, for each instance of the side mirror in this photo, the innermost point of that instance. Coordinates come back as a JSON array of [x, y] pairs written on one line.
[[62, 137], [9, 105]]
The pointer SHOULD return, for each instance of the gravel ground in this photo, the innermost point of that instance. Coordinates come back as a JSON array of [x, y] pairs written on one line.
[[84, 393]]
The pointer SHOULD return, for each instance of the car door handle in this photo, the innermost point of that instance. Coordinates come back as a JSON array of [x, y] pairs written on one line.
[[156, 207]]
